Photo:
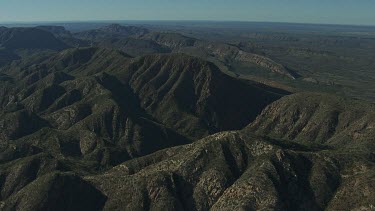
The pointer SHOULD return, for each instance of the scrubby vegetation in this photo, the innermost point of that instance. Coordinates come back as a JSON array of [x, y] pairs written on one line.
[[128, 118]]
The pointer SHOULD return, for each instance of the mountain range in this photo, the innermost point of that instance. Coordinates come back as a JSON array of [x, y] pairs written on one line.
[[128, 118]]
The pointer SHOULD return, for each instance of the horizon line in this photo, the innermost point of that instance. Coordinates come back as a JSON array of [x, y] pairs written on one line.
[[172, 20]]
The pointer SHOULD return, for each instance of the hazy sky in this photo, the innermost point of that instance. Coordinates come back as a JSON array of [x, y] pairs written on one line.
[[307, 11]]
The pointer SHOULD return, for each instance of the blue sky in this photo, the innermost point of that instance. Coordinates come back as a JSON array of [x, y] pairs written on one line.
[[305, 11]]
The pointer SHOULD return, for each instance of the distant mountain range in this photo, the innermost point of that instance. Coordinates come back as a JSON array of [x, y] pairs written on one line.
[[136, 41]]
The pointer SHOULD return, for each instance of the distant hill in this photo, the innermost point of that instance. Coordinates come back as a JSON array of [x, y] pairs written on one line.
[[29, 38], [58, 31], [171, 40], [140, 41], [66, 36], [111, 31], [217, 52], [134, 46]]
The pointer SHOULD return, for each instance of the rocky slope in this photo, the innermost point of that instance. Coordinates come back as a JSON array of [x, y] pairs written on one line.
[[185, 93], [239, 171], [236, 170], [104, 107], [98, 129], [319, 118], [95, 128], [85, 110]]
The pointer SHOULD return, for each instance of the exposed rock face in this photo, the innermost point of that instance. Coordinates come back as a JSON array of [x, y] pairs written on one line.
[[319, 118], [225, 171], [242, 171], [230, 53], [239, 171]]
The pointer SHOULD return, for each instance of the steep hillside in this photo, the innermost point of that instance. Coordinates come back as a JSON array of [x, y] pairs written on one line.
[[86, 110], [94, 118], [319, 118], [29, 38], [123, 118], [92, 128], [65, 36], [103, 107], [7, 56], [239, 171], [58, 31], [193, 96], [225, 171], [243, 171], [26, 43], [171, 40], [111, 31], [133, 46]]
